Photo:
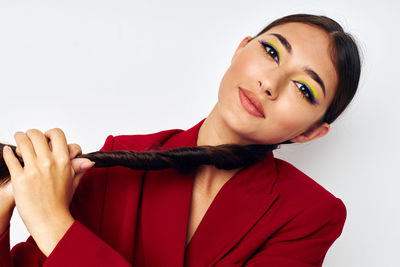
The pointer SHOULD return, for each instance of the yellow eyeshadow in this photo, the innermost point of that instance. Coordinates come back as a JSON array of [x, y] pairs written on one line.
[[276, 47], [314, 92]]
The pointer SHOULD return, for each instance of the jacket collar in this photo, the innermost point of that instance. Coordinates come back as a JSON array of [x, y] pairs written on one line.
[[239, 204]]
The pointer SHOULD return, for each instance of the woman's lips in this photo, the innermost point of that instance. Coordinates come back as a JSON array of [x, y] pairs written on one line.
[[251, 103]]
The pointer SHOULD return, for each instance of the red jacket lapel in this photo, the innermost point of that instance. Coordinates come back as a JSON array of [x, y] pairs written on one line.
[[240, 203], [166, 198]]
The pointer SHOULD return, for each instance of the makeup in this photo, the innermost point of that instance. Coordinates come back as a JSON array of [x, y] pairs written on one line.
[[250, 103], [304, 87], [314, 95], [268, 45]]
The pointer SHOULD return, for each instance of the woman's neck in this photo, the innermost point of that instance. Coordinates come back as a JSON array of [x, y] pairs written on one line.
[[214, 132]]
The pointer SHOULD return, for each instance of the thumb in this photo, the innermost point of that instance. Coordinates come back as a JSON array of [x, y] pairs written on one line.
[[80, 165]]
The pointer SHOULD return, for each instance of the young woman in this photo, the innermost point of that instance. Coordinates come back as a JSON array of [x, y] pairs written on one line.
[[287, 84]]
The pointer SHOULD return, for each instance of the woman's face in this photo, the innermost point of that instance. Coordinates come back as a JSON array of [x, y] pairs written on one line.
[[290, 71]]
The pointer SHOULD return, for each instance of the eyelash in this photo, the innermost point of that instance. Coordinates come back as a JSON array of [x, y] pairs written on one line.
[[306, 92], [272, 52]]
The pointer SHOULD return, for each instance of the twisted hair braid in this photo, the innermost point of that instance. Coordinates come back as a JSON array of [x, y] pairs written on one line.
[[183, 159]]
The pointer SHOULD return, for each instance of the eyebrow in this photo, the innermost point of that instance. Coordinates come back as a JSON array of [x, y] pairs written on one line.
[[284, 42], [315, 77], [309, 71]]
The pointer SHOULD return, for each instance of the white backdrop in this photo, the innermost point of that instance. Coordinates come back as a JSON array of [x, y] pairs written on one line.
[[95, 68]]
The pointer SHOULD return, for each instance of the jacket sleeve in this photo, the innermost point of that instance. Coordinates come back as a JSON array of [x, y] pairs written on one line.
[[304, 241], [5, 258], [79, 246]]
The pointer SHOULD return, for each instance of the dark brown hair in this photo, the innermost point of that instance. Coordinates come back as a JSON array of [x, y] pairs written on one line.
[[346, 59], [183, 159]]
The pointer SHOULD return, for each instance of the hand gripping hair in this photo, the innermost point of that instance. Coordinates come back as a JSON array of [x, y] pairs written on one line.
[[183, 159]]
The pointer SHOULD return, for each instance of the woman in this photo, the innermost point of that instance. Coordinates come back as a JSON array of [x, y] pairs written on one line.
[[287, 84]]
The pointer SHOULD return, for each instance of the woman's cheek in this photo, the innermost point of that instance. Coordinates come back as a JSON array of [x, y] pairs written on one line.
[[287, 117]]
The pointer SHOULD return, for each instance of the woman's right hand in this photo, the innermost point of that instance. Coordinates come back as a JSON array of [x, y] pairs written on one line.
[[80, 165], [7, 201]]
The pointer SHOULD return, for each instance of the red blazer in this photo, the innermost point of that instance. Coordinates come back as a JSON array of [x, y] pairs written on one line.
[[269, 214]]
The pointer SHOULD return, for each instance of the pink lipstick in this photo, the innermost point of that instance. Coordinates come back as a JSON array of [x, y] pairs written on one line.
[[251, 103]]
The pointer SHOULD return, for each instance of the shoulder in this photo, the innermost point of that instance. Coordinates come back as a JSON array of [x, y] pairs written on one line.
[[305, 220], [138, 142], [304, 195]]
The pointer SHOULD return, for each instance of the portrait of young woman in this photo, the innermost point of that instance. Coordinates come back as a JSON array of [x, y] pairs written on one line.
[[211, 194]]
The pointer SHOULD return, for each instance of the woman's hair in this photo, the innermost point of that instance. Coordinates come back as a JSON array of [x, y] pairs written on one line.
[[345, 57], [183, 159]]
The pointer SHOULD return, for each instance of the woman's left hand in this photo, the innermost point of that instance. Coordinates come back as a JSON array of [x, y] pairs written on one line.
[[44, 187]]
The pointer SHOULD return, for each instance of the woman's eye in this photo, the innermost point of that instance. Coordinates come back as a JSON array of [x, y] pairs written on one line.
[[306, 91], [270, 50]]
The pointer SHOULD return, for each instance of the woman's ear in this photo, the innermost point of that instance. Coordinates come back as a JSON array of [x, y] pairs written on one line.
[[312, 133], [241, 45]]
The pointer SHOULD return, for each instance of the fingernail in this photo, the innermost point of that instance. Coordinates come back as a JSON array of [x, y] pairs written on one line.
[[6, 149], [87, 164]]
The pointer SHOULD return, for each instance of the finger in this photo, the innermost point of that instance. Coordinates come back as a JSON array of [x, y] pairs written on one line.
[[80, 167], [81, 164], [39, 142], [58, 141], [13, 165], [25, 147], [18, 152], [74, 150]]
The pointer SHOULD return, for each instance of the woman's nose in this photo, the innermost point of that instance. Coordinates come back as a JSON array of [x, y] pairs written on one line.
[[269, 90]]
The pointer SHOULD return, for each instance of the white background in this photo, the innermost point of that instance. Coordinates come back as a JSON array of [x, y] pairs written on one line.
[[95, 68]]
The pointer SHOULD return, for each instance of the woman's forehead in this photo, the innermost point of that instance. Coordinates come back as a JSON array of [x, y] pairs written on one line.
[[299, 29]]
